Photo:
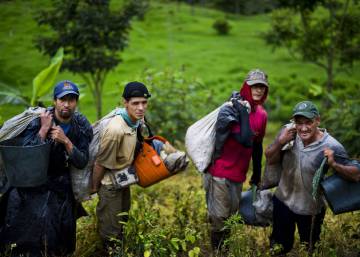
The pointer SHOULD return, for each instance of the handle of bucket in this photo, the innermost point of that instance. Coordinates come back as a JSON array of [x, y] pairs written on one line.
[[151, 134], [253, 192], [139, 135]]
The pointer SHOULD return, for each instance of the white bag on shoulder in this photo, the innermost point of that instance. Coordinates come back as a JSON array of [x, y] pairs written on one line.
[[200, 140]]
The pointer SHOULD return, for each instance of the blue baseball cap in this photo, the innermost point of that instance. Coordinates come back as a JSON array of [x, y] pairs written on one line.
[[64, 88]]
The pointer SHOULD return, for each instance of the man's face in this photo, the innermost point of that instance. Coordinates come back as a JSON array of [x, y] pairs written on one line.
[[136, 107], [257, 91], [65, 107], [307, 129]]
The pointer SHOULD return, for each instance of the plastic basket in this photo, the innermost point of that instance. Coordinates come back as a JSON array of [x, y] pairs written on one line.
[[341, 195], [25, 166]]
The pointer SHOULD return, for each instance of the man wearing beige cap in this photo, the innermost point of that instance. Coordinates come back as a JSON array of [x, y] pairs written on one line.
[[240, 129]]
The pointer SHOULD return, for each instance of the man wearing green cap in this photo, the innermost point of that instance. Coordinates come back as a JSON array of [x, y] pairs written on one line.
[[293, 201]]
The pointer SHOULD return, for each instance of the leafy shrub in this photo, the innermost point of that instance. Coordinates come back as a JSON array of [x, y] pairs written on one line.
[[222, 26], [177, 101], [169, 219], [166, 220], [343, 122]]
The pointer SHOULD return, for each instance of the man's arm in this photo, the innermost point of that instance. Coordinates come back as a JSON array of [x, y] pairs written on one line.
[[97, 175], [273, 151], [349, 172]]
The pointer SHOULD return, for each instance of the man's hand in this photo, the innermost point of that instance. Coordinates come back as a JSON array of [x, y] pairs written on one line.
[[58, 135], [287, 135], [46, 119], [330, 156]]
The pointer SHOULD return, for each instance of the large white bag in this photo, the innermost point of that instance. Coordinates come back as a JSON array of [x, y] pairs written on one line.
[[200, 140]]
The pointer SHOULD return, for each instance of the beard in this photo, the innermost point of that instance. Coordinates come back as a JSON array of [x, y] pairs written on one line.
[[66, 114]]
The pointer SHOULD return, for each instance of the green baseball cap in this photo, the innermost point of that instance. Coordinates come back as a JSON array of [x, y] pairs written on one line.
[[306, 109]]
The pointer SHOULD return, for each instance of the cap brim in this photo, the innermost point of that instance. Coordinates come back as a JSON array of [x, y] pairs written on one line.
[[253, 82], [308, 115], [66, 93]]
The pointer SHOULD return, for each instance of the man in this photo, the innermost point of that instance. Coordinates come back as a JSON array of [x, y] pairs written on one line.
[[41, 221], [239, 137], [116, 152], [293, 201]]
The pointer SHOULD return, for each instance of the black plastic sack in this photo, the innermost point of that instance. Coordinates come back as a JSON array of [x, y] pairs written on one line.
[[247, 210], [341, 195], [256, 207], [25, 166]]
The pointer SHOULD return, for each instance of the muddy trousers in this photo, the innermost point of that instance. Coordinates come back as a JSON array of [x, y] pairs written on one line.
[[112, 202], [222, 199], [284, 223]]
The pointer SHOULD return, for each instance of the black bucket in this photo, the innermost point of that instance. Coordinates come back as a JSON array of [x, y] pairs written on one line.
[[341, 195], [25, 166]]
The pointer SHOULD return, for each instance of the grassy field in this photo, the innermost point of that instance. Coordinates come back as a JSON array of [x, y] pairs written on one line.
[[170, 37], [169, 219]]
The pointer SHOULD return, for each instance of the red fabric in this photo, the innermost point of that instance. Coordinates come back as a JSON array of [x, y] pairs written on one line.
[[234, 161]]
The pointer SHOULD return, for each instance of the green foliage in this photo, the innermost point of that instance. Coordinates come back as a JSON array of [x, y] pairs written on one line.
[[222, 26], [169, 37], [177, 101], [169, 219], [42, 85], [11, 95], [343, 121], [245, 7], [236, 6], [245, 240], [327, 33], [283, 97], [91, 34], [302, 5], [165, 221], [44, 81]]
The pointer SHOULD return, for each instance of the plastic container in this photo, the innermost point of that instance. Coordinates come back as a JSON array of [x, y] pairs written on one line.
[[25, 166], [341, 195], [149, 167], [247, 210]]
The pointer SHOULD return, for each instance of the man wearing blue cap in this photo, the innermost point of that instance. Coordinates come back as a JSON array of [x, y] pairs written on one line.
[[41, 221], [294, 205], [116, 153]]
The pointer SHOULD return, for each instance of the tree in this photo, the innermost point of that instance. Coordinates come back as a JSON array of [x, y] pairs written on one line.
[[328, 34], [92, 36]]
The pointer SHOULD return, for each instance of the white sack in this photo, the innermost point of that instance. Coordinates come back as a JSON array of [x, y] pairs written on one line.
[[200, 140]]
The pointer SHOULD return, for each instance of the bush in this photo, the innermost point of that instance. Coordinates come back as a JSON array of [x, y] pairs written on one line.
[[177, 101], [343, 122], [222, 26]]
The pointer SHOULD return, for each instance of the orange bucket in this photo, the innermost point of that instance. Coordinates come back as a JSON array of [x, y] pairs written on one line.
[[149, 167]]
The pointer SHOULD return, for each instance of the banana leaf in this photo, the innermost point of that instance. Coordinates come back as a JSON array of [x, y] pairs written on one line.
[[44, 81], [10, 95]]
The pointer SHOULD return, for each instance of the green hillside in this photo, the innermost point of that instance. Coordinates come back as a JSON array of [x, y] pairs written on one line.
[[170, 37], [169, 219]]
